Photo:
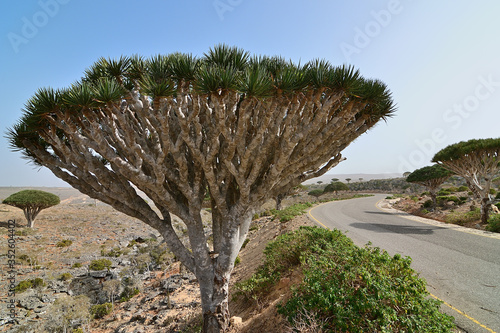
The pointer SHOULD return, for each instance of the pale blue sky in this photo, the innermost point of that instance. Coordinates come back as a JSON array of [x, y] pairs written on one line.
[[441, 59]]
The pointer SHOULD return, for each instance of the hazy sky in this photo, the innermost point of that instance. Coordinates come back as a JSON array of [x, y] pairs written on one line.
[[441, 60]]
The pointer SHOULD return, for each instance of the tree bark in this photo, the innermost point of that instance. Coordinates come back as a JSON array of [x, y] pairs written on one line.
[[216, 309], [485, 209]]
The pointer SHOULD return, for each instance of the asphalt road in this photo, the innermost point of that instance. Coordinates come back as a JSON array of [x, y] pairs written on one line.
[[460, 268]]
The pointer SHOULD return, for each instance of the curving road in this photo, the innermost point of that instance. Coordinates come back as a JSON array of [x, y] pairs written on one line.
[[460, 268]]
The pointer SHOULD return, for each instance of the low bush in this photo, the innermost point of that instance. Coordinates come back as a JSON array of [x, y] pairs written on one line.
[[443, 192], [442, 200], [23, 286], [100, 264], [65, 276], [316, 193], [27, 284], [64, 243], [427, 204], [345, 287], [461, 218], [493, 223], [289, 213], [77, 265], [101, 310], [128, 293], [463, 188]]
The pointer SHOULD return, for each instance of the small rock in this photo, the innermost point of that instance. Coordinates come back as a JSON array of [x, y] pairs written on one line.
[[235, 321]]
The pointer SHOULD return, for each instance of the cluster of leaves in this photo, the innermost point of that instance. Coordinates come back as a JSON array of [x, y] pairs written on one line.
[[289, 213], [464, 148], [101, 310], [223, 68], [32, 198], [462, 218], [347, 288]]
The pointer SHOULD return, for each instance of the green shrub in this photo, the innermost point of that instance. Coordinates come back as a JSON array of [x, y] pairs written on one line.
[[497, 196], [442, 200], [64, 243], [65, 276], [100, 264], [27, 284], [100, 310], [128, 293], [463, 218], [316, 193], [76, 265], [255, 217], [23, 286], [38, 282], [348, 288], [443, 192], [463, 188], [493, 223], [427, 204], [237, 261]]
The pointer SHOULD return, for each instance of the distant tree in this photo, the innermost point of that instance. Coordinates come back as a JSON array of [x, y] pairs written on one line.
[[335, 180], [406, 174], [432, 177], [360, 179], [348, 180], [319, 182], [244, 128], [32, 202], [335, 187], [478, 162]]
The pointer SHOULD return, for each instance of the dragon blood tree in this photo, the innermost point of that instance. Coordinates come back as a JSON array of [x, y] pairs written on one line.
[[478, 162], [431, 177], [32, 202], [175, 126]]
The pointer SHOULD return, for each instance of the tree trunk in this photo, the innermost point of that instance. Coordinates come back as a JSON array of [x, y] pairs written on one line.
[[278, 199], [432, 192], [215, 304], [485, 209]]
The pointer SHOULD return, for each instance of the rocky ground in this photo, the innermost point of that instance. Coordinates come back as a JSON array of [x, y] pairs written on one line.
[[168, 297]]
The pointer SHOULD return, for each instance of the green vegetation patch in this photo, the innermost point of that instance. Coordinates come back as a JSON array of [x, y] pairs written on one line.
[[27, 284], [461, 218], [289, 213], [345, 287], [64, 243], [493, 223], [100, 264], [101, 310]]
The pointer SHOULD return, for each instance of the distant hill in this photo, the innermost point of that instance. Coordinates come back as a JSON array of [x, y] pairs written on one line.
[[326, 178]]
